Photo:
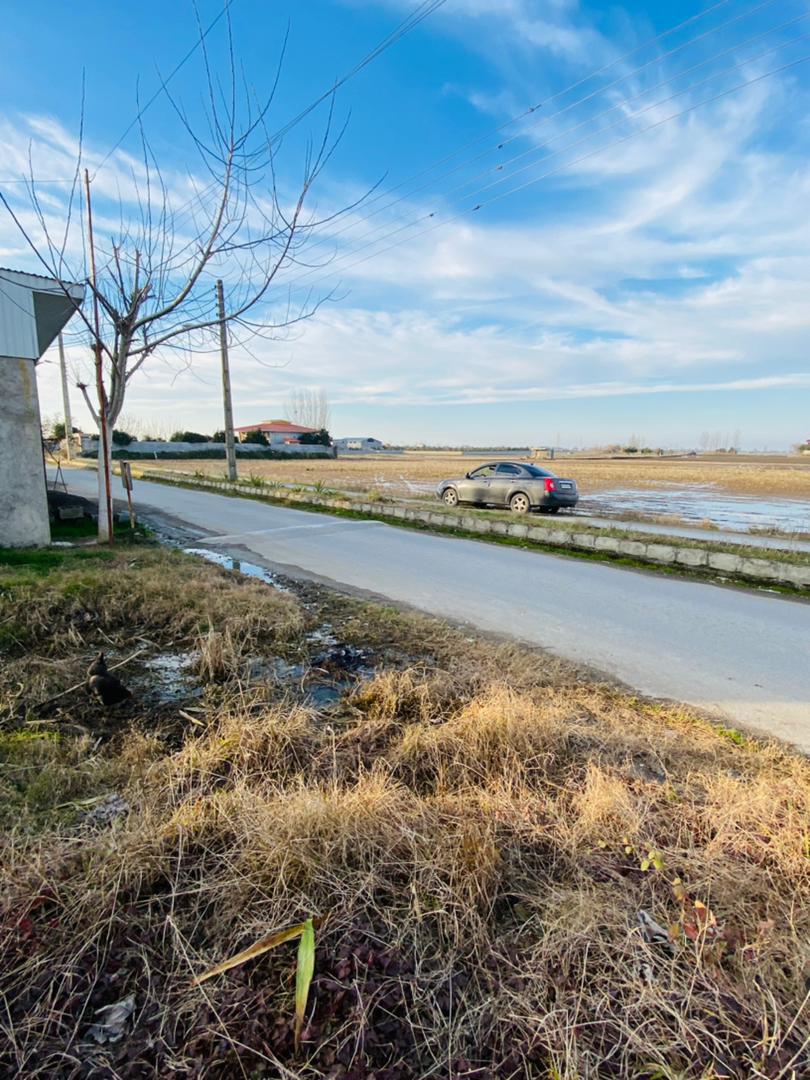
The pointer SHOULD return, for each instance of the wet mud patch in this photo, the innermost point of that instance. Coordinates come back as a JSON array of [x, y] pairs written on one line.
[[170, 677]]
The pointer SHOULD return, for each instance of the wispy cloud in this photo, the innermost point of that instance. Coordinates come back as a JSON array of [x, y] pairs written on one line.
[[675, 261]]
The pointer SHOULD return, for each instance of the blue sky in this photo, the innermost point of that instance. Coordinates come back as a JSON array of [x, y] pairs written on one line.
[[650, 277]]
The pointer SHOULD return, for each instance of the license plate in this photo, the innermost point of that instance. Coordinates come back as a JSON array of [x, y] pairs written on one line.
[[564, 486]]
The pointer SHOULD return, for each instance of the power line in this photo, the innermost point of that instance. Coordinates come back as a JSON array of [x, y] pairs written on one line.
[[365, 242], [427, 7], [164, 83], [568, 164], [545, 117], [418, 15]]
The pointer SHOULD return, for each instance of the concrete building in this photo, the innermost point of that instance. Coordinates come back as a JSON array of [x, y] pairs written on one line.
[[277, 432], [33, 309]]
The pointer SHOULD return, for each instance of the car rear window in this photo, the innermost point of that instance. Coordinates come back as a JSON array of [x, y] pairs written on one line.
[[533, 470], [509, 470]]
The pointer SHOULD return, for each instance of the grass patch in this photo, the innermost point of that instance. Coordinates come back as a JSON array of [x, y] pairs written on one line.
[[488, 835], [85, 528]]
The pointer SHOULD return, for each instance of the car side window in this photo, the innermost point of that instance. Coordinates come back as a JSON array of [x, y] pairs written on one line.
[[509, 470], [484, 472]]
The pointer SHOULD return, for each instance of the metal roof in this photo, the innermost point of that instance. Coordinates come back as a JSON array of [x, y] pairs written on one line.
[[33, 309]]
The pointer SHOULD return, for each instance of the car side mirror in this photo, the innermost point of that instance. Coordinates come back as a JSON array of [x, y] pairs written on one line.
[[467, 476]]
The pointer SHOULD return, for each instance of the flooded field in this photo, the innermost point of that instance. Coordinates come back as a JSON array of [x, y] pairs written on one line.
[[702, 504]]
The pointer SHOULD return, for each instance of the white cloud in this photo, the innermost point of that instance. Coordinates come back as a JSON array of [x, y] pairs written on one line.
[[676, 261]]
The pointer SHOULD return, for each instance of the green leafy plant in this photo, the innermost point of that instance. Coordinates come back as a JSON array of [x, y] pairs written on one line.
[[653, 861], [303, 977]]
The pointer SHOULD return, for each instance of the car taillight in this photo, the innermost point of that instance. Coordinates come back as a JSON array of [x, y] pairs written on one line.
[[550, 486]]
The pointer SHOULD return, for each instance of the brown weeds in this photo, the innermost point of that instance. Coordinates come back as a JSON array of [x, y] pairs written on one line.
[[482, 843]]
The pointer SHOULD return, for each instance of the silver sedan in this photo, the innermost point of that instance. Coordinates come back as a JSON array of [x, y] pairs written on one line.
[[517, 485]]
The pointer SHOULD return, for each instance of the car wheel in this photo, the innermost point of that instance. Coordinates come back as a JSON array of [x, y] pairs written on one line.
[[519, 503], [450, 497]]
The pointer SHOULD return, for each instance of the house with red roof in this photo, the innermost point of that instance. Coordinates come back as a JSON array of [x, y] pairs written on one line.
[[277, 432]]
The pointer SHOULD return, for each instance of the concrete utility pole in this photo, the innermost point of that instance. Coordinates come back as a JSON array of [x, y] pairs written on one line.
[[230, 452], [66, 400]]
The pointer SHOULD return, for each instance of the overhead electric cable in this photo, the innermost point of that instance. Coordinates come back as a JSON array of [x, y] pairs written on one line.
[[565, 165], [545, 117]]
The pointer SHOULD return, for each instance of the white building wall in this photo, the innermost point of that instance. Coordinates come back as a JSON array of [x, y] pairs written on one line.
[[23, 499], [18, 327]]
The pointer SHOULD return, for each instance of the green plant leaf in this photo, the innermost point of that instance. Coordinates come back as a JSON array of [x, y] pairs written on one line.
[[263, 945], [303, 977]]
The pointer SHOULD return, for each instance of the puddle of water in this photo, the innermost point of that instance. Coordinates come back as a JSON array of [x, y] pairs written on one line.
[[320, 695], [249, 569], [700, 503], [322, 635], [171, 676]]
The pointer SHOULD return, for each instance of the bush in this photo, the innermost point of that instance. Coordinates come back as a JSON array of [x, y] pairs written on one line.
[[188, 436], [218, 436], [256, 437], [629, 449], [122, 438], [316, 438]]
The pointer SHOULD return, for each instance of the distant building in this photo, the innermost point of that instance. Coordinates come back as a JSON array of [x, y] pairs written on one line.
[[360, 442], [33, 309], [277, 432]]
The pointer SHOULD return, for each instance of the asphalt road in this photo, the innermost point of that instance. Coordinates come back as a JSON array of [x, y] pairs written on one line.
[[743, 656]]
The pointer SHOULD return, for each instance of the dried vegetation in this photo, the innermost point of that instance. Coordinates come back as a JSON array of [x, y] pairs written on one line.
[[521, 873], [412, 474]]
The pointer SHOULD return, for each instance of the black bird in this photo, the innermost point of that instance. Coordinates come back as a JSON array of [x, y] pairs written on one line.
[[98, 667], [111, 690]]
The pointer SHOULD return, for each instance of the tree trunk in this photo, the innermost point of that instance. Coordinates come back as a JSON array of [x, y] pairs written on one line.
[[105, 525]]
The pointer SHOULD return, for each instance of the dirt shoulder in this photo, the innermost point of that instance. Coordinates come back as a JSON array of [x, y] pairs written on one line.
[[521, 871]]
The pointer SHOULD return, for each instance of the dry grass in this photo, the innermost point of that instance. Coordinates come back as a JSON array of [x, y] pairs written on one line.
[[473, 826], [138, 591], [417, 473]]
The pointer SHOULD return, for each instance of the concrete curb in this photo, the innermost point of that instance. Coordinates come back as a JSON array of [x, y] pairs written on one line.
[[655, 553]]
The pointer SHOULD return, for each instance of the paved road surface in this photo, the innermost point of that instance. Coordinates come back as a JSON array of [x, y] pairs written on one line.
[[744, 656]]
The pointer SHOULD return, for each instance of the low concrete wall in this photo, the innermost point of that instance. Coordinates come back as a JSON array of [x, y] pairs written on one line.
[[706, 559], [173, 449], [23, 499]]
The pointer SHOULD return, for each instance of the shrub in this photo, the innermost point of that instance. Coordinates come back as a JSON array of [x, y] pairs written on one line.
[[256, 437], [315, 438], [188, 436], [122, 438], [629, 449]]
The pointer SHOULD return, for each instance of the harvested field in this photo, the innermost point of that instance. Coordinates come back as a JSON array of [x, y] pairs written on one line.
[[520, 873], [418, 473]]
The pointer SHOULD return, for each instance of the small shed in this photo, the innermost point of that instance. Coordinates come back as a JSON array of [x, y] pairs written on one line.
[[33, 310]]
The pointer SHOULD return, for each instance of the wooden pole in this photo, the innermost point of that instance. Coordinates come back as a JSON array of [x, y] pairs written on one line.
[[126, 477], [65, 400], [230, 451], [106, 490]]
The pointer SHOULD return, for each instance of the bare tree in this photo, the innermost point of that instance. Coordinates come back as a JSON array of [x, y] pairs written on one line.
[[309, 407], [152, 261]]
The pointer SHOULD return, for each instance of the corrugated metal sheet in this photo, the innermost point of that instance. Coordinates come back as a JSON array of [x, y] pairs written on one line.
[[23, 328]]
